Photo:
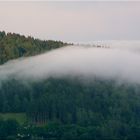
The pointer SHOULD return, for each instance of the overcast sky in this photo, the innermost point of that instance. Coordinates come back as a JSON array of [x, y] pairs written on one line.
[[72, 21]]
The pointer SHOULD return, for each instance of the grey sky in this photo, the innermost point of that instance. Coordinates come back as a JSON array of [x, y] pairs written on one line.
[[72, 21]]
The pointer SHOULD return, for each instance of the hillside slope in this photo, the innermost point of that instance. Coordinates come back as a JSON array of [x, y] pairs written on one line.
[[15, 45], [98, 110]]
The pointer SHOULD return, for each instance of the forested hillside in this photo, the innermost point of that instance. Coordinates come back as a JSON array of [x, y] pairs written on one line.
[[97, 110], [14, 45], [64, 105]]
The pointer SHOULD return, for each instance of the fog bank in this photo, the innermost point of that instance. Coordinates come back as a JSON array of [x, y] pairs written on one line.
[[77, 61]]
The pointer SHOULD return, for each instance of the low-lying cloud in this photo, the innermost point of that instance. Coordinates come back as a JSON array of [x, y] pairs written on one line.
[[77, 61]]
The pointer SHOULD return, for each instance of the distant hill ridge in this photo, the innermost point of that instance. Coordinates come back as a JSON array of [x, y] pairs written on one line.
[[14, 45]]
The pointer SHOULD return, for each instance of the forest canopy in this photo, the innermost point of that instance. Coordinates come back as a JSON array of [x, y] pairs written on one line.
[[100, 109], [14, 45]]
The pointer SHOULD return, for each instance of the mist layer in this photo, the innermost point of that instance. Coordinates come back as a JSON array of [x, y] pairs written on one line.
[[77, 61]]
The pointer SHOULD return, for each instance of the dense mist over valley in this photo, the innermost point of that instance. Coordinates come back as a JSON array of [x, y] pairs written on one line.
[[78, 91], [119, 61]]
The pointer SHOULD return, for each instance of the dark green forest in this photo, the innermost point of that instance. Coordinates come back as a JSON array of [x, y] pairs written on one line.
[[14, 45], [64, 108]]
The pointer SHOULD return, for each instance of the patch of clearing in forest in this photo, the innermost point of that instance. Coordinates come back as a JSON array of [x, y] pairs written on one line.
[[19, 117]]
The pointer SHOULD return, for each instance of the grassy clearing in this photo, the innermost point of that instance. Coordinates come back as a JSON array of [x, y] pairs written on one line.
[[19, 117]]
